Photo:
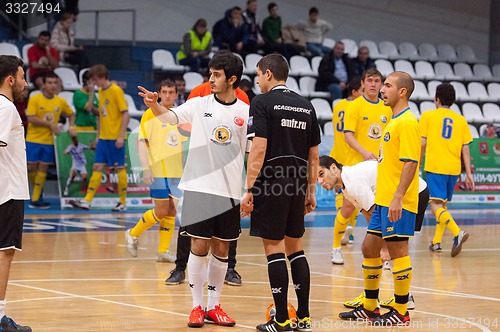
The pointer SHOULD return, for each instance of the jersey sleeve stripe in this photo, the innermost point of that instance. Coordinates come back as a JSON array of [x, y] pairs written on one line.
[[408, 159]]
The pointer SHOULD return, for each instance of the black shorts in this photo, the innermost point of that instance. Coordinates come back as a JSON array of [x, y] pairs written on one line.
[[278, 208], [205, 216], [12, 219], [423, 201]]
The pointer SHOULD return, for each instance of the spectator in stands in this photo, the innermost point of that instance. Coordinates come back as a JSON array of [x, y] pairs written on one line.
[[196, 47], [42, 59], [315, 30], [273, 36], [63, 40], [86, 105], [363, 61], [255, 40], [490, 131], [231, 33], [247, 86], [181, 88], [335, 70]]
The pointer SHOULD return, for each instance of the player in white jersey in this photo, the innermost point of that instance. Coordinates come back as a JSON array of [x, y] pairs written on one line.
[[79, 162]]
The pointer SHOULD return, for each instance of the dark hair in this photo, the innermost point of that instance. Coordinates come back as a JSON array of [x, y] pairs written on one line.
[[271, 6], [167, 83], [446, 94], [66, 16], [99, 71], [353, 84], [235, 8], [313, 10], [85, 77], [277, 64], [371, 72], [229, 63], [44, 33], [9, 65], [327, 161], [200, 22], [49, 75]]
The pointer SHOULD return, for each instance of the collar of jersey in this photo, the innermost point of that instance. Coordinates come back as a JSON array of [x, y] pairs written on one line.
[[223, 103], [372, 102], [280, 87], [1, 94], [406, 109]]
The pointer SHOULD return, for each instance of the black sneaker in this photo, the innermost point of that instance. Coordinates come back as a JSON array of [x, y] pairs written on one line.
[[176, 277], [39, 205], [360, 313], [8, 325], [274, 326], [392, 318], [233, 278]]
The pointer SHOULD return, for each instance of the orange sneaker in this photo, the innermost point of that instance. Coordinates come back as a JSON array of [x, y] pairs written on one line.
[[219, 317], [196, 317]]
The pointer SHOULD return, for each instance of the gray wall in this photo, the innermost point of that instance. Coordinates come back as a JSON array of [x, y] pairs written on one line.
[[436, 21]]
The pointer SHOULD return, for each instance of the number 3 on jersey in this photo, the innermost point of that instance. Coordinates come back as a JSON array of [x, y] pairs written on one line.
[[447, 128], [340, 123]]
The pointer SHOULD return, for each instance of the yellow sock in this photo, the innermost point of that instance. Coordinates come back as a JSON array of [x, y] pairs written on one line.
[[372, 271], [166, 231], [402, 273], [354, 218], [31, 177], [122, 185], [39, 182], [450, 224], [147, 221], [94, 183], [339, 229], [440, 226]]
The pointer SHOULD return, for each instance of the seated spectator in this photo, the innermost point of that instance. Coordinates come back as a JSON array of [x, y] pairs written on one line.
[[42, 59], [272, 33], [490, 131], [181, 89], [363, 61], [63, 40], [231, 33], [335, 70], [196, 46], [247, 86], [255, 40], [315, 30]]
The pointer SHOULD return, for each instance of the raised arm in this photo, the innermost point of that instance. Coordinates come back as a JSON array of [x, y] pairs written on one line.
[[151, 100]]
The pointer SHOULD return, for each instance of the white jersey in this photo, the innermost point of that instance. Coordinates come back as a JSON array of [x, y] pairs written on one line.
[[360, 184], [13, 167], [78, 155], [217, 146]]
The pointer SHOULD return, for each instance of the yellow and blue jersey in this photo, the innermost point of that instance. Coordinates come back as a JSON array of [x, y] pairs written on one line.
[[112, 104], [340, 148]]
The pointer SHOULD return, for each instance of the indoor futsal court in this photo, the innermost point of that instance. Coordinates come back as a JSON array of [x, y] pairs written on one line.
[[75, 274]]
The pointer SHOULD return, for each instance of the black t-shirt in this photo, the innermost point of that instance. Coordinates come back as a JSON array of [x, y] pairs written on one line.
[[288, 122]]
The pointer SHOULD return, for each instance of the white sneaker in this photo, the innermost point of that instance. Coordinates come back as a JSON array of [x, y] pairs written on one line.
[[119, 208], [164, 257], [411, 302], [345, 238], [337, 257], [80, 203], [132, 243]]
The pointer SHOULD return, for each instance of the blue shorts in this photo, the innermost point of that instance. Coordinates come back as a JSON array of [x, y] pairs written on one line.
[[40, 152], [164, 188], [107, 153], [380, 224], [441, 186]]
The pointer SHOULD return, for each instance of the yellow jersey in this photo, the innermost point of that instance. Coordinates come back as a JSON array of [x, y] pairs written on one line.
[[446, 132], [340, 148], [164, 144], [45, 109], [112, 104], [367, 121], [400, 144]]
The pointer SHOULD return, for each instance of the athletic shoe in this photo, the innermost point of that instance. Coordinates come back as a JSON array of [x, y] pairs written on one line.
[[435, 247], [302, 325], [39, 205], [233, 278], [165, 257], [355, 303], [392, 318], [119, 208], [360, 313], [274, 326], [176, 277], [347, 235], [132, 243], [8, 325], [389, 303], [197, 317], [66, 192], [351, 239], [460, 239], [337, 256], [219, 317], [80, 204]]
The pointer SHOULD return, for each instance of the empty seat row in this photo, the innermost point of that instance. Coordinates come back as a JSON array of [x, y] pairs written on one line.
[[475, 91]]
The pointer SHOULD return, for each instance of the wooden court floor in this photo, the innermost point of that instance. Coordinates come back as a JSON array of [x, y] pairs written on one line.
[[81, 278]]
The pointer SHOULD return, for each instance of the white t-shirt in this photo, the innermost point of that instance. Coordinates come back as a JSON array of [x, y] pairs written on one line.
[[78, 155], [217, 146], [360, 184], [13, 167]]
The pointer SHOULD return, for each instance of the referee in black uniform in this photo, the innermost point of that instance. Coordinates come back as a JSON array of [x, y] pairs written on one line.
[[281, 175]]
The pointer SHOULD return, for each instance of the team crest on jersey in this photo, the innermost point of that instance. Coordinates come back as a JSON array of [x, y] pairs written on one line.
[[375, 131], [383, 119], [57, 109], [48, 117], [221, 135], [173, 138], [387, 137], [239, 121], [106, 102]]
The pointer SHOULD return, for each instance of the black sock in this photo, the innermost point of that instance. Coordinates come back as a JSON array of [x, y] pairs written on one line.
[[278, 279], [301, 281]]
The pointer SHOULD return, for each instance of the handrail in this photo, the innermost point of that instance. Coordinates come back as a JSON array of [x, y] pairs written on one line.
[[97, 12]]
